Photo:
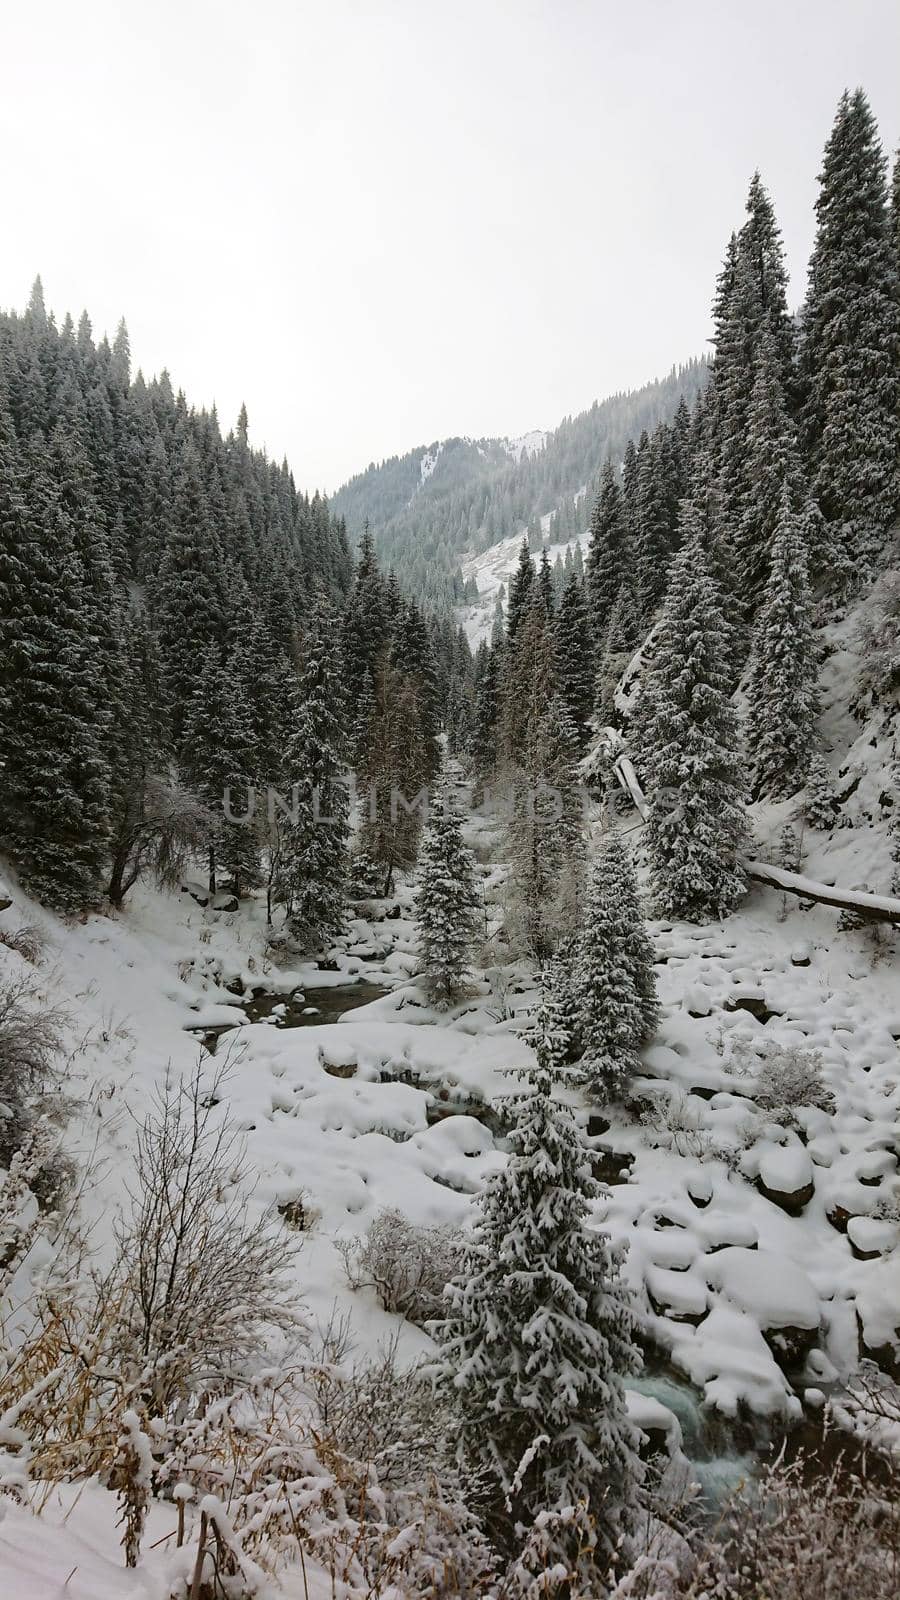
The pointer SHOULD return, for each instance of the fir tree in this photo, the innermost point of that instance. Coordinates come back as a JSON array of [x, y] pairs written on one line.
[[216, 762], [820, 807], [770, 469], [55, 780], [520, 585], [689, 743], [446, 899], [614, 978], [851, 336], [313, 857], [394, 775], [538, 1336], [783, 703], [574, 658], [608, 551]]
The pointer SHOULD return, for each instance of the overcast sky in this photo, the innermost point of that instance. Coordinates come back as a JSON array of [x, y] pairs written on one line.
[[381, 224]]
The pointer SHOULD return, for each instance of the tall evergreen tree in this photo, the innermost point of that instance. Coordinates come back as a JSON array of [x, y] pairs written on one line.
[[520, 585], [771, 470], [614, 978], [574, 657], [446, 898], [609, 551], [313, 847], [394, 775], [54, 793], [538, 1336], [689, 743], [783, 702], [851, 337]]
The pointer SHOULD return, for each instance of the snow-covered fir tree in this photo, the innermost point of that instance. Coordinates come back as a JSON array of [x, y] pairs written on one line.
[[782, 693], [574, 657], [850, 346], [312, 875], [446, 898], [54, 792], [820, 807], [770, 468], [613, 973], [538, 1336], [689, 746], [217, 765], [608, 550]]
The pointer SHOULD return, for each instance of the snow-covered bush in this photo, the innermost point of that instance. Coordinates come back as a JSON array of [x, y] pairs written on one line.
[[790, 1078], [879, 638], [26, 941], [677, 1125], [795, 1531], [196, 1285], [407, 1265], [30, 1043]]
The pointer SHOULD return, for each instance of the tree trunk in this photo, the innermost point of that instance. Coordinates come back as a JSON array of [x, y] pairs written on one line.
[[212, 872]]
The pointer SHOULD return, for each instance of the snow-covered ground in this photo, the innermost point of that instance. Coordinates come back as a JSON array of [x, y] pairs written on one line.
[[494, 567], [764, 1254]]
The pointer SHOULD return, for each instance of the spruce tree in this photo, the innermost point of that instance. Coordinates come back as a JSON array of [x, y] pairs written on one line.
[[54, 793], [217, 765], [783, 702], [574, 658], [614, 978], [393, 775], [312, 874], [770, 469], [520, 585], [609, 550], [538, 1335], [820, 808], [851, 337], [689, 745], [446, 899]]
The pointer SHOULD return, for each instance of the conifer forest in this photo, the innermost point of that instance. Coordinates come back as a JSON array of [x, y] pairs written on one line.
[[450, 971]]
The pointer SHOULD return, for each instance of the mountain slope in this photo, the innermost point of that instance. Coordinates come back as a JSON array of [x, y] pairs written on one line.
[[460, 496]]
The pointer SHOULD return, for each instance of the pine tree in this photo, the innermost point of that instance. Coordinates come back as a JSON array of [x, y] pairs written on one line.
[[545, 583], [689, 743], [538, 1335], [216, 763], [614, 977], [783, 702], [770, 468], [821, 807], [394, 775], [446, 899], [574, 658], [55, 782], [520, 585], [609, 550], [311, 880], [851, 337], [555, 1032]]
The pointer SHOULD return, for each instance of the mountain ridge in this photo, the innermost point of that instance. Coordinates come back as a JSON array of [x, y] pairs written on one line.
[[457, 497]]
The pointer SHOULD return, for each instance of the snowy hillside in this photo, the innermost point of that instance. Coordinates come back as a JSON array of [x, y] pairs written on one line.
[[763, 1247], [492, 569], [432, 508]]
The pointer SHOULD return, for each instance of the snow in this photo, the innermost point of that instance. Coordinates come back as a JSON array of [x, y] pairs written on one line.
[[715, 1264], [494, 567], [528, 444]]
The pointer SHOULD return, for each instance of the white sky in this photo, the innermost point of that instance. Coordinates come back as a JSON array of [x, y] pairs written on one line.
[[381, 224]]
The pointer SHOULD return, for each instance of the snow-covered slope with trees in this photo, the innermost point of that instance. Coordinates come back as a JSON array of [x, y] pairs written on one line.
[[460, 1185]]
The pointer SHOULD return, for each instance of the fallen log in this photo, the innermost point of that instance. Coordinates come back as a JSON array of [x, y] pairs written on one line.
[[871, 907]]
